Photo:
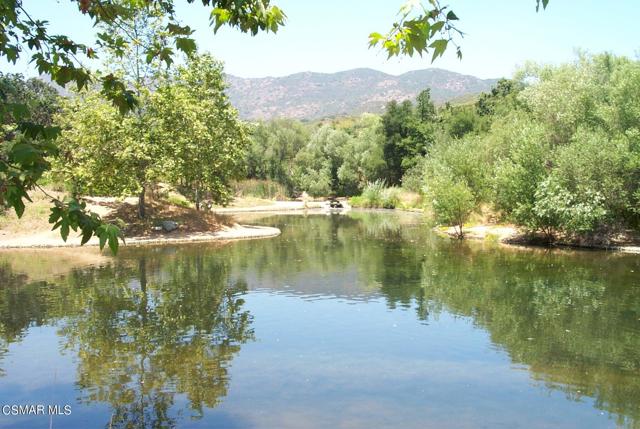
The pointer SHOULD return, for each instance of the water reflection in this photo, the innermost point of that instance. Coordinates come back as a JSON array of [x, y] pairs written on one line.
[[156, 331], [145, 331]]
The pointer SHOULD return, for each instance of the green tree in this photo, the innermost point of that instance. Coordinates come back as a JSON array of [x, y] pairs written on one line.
[[362, 156], [452, 200], [274, 146], [425, 110], [201, 139], [401, 145], [317, 164], [100, 150], [23, 164]]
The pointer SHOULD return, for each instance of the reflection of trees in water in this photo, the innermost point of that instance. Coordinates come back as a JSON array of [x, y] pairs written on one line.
[[572, 319], [145, 330], [320, 245], [166, 321]]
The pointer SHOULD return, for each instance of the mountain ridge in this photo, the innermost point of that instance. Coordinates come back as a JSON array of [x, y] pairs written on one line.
[[316, 95]]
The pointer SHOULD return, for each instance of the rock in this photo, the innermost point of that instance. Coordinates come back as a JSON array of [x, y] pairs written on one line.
[[169, 225]]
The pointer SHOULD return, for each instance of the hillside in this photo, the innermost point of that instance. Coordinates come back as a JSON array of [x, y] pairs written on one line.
[[320, 95]]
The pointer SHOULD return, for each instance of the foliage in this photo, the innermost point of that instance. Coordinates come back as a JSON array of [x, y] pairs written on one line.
[[452, 200], [31, 100], [274, 146], [24, 160], [424, 28], [100, 152], [557, 150], [257, 188], [197, 131], [377, 195], [557, 209], [409, 132]]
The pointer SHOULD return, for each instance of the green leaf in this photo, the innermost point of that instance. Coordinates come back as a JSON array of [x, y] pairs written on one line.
[[64, 229], [186, 45], [86, 236], [439, 47], [25, 153]]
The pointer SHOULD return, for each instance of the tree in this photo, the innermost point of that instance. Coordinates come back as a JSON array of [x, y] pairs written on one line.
[[41, 101], [101, 151], [409, 132], [505, 88], [425, 110], [202, 140], [317, 164], [23, 164], [396, 123], [452, 201], [362, 156], [274, 146]]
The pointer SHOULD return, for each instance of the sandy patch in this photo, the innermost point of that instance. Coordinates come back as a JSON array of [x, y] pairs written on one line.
[[234, 232]]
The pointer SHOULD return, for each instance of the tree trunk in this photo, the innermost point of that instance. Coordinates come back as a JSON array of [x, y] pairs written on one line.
[[197, 199], [141, 208]]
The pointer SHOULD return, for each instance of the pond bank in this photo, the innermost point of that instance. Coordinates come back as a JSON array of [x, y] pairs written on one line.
[[510, 235], [225, 233]]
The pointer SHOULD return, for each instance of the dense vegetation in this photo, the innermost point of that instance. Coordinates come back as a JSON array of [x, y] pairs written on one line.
[[560, 155], [555, 150], [130, 30]]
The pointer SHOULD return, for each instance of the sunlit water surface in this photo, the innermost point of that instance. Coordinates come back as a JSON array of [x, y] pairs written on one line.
[[364, 320]]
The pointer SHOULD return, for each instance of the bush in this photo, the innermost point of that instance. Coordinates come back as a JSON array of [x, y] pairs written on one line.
[[452, 202], [178, 200], [373, 194], [558, 210], [391, 197]]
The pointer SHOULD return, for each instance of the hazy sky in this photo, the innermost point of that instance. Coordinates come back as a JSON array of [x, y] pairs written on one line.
[[331, 35]]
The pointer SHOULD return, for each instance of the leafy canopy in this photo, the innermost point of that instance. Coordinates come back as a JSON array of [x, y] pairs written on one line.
[[27, 146]]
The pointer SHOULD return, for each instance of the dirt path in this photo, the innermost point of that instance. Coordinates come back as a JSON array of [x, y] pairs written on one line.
[[276, 206]]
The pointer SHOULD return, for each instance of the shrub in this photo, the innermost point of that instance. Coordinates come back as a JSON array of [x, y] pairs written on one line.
[[373, 194], [452, 202], [391, 197], [178, 200], [557, 209]]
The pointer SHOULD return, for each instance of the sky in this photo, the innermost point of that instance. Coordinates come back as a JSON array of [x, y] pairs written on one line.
[[331, 35]]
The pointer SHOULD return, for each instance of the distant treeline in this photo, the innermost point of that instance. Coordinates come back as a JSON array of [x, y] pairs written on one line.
[[556, 149]]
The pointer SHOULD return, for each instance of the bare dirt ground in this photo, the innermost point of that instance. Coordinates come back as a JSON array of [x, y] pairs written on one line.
[[34, 231]]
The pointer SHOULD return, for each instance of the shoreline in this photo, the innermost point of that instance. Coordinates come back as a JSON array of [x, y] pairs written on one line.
[[233, 233], [510, 235]]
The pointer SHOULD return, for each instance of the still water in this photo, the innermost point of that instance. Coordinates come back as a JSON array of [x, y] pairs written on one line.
[[364, 320]]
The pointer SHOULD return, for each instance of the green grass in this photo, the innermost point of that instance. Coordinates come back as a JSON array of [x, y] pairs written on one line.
[[262, 189], [178, 200], [377, 195]]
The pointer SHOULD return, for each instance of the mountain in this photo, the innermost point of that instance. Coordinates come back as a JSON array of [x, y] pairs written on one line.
[[321, 95]]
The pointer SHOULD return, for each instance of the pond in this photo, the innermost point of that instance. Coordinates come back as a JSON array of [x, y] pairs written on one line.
[[365, 320]]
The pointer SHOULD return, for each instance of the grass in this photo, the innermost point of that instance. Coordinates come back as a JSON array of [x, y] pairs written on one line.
[[179, 200], [377, 195], [34, 218], [262, 189]]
